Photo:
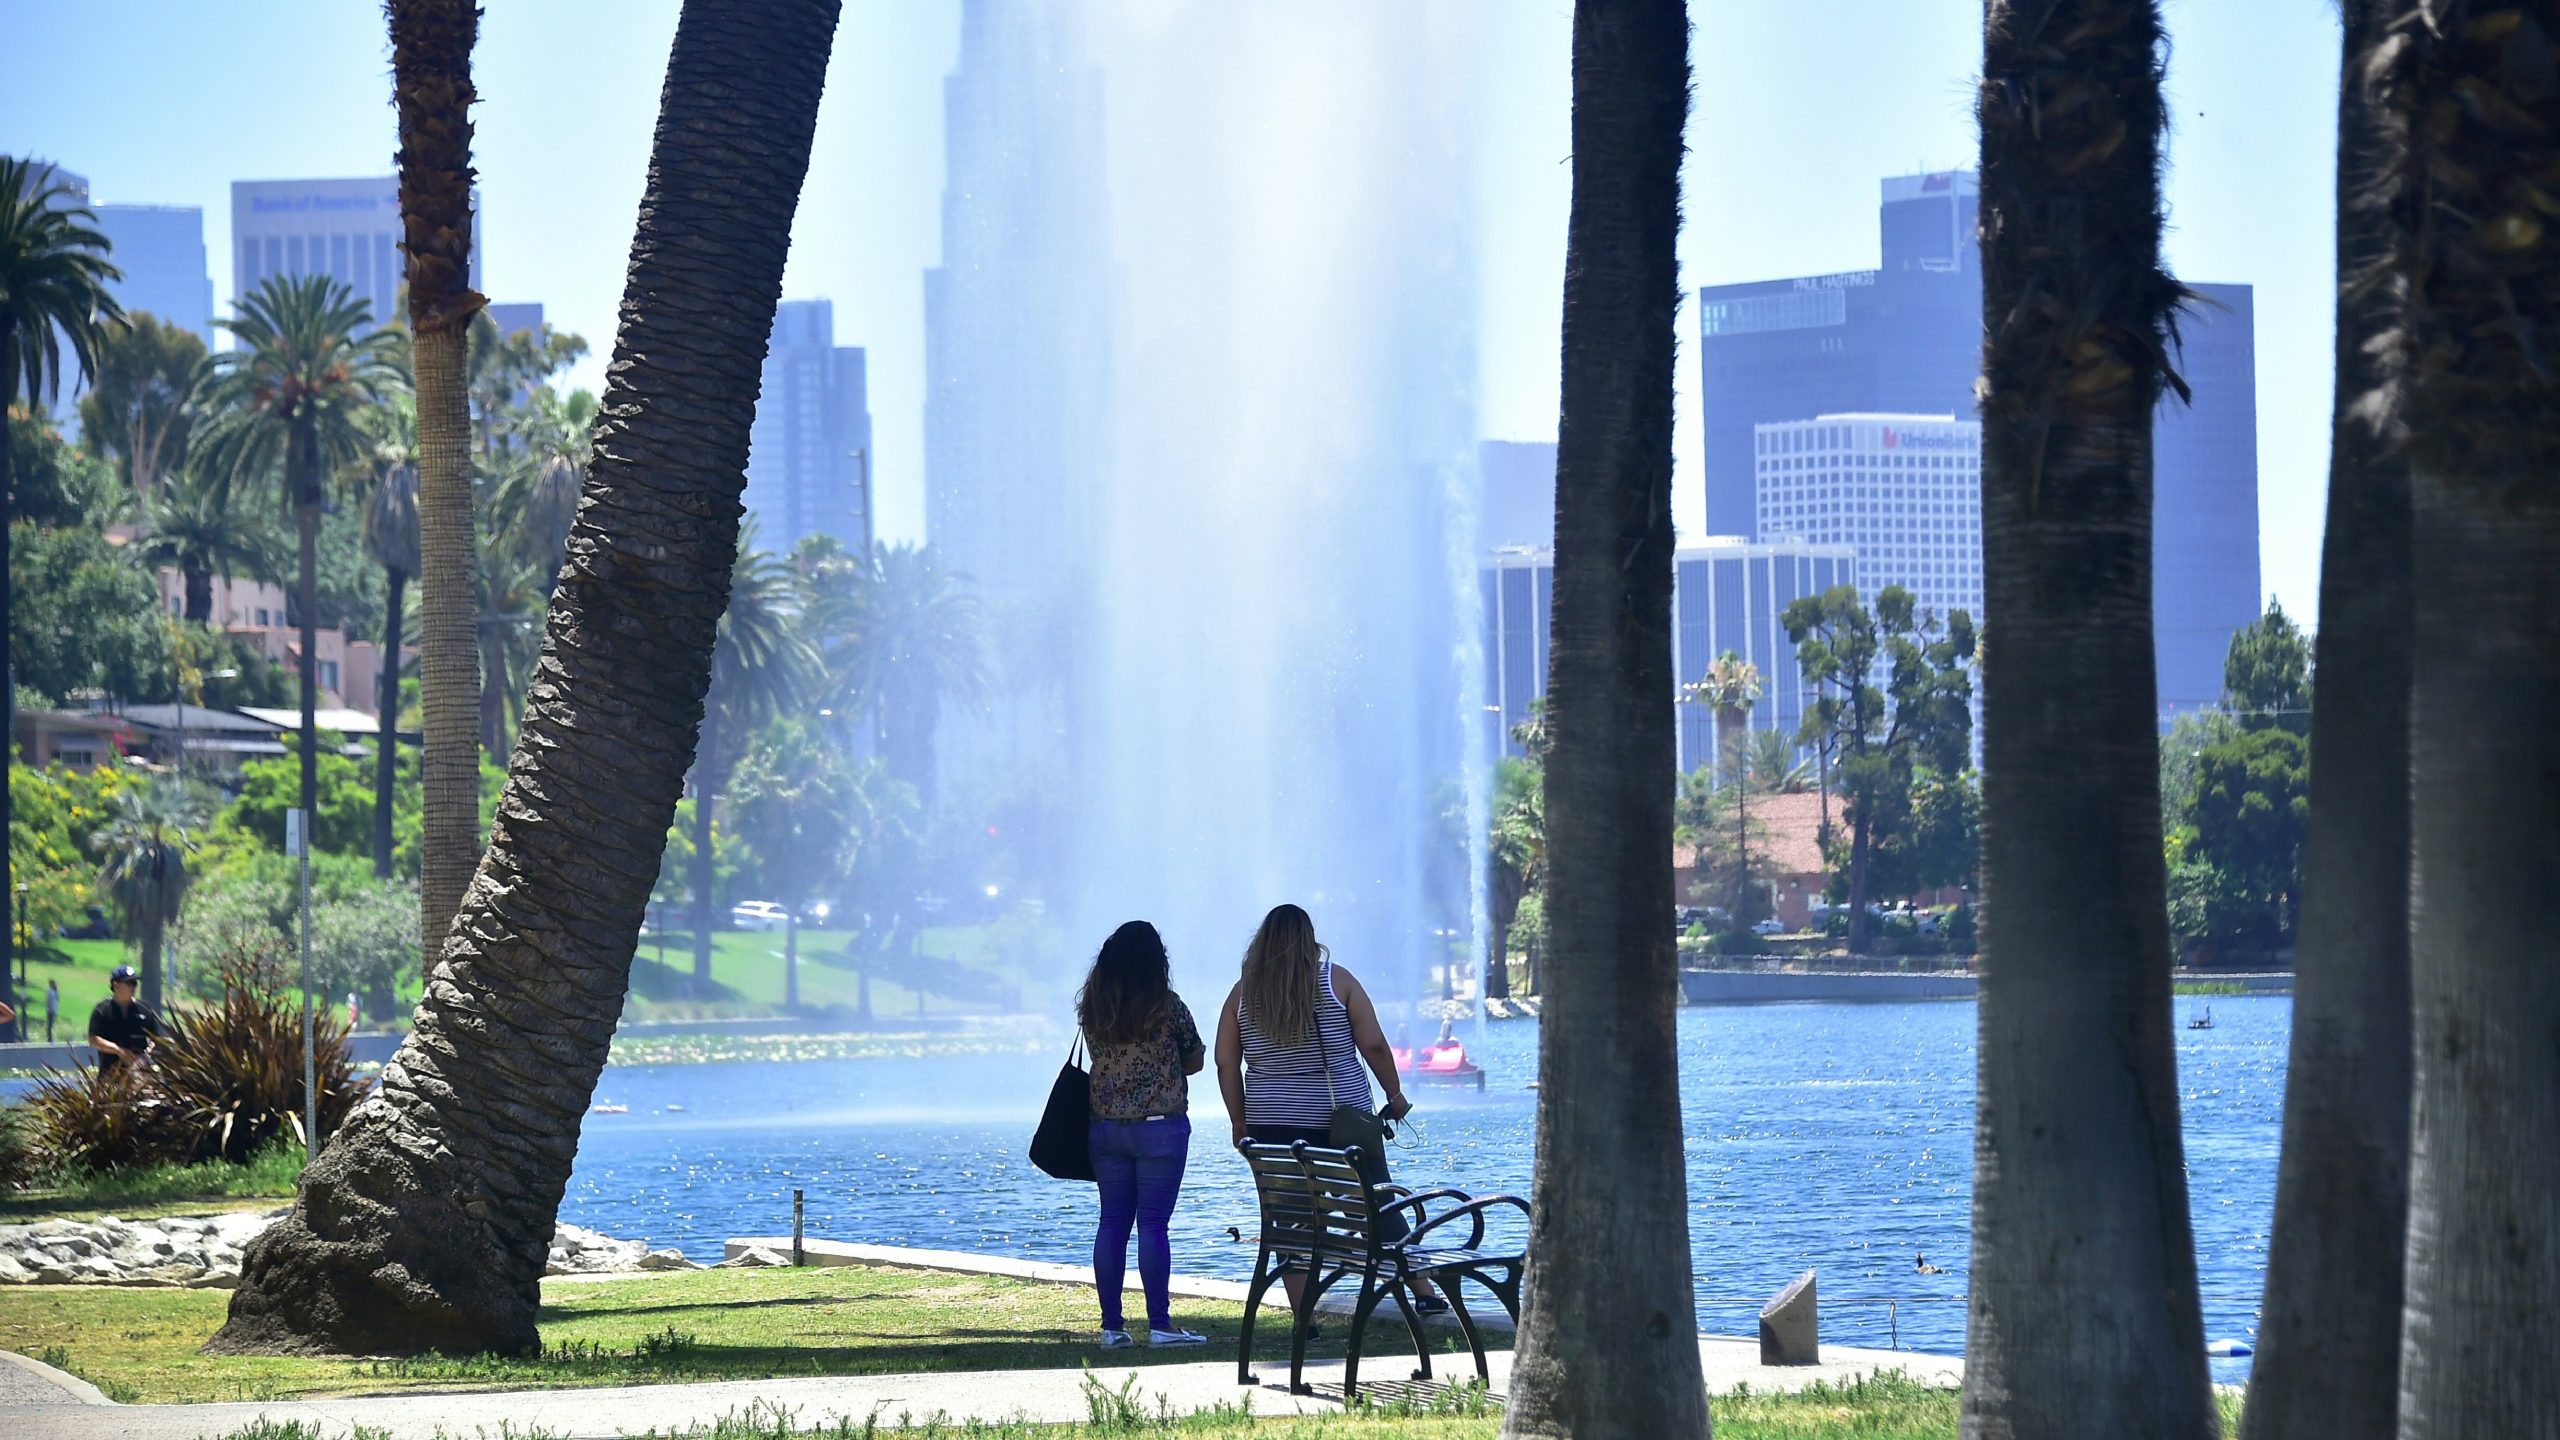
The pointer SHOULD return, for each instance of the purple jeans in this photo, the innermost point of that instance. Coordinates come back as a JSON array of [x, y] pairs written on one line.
[[1137, 1165]]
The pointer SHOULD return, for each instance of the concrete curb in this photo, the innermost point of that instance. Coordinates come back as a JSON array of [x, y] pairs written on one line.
[[1487, 1315], [75, 1391]]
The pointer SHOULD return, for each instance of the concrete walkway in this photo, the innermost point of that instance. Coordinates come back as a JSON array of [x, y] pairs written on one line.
[[1039, 1395]]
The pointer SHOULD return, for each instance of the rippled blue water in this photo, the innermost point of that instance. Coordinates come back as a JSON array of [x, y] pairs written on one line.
[[1831, 1137]]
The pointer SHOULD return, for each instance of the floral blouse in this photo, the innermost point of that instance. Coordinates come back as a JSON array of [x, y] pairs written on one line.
[[1146, 1076]]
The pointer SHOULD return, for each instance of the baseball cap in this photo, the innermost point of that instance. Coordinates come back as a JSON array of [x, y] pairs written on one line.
[[122, 974]]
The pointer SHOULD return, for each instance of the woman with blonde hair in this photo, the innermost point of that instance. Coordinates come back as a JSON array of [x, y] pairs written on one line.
[[1292, 1039]]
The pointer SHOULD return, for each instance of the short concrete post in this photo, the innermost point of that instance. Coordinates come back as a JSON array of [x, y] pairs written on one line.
[[1790, 1326], [799, 1255]]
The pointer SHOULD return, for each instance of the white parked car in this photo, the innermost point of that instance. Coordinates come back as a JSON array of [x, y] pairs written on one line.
[[758, 915], [1770, 926]]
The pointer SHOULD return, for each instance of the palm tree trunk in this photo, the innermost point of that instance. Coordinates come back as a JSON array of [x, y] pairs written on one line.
[[199, 590], [386, 742], [154, 925], [448, 643], [705, 871], [2084, 1318], [306, 524], [2473, 122], [2328, 1362], [8, 677], [431, 42], [1608, 1340], [426, 1222]]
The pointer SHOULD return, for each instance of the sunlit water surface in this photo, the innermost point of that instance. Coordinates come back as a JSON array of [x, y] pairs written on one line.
[[1829, 1137]]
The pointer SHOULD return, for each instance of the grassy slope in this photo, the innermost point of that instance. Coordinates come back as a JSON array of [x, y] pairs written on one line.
[[264, 1182]]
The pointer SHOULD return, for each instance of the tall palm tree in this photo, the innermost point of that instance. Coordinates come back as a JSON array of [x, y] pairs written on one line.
[[761, 668], [1608, 1341], [192, 526], [53, 288], [1731, 688], [431, 90], [511, 590], [2328, 1362], [2470, 120], [391, 538], [906, 642], [2084, 1317], [290, 399], [142, 848], [426, 1223]]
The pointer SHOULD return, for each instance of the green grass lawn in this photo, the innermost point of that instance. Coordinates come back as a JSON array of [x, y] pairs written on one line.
[[747, 975], [80, 967], [141, 1346]]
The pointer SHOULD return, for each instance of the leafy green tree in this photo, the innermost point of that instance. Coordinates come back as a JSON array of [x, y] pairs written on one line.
[[136, 409], [1516, 854], [2266, 676], [142, 849], [2246, 823], [1932, 837], [57, 809], [1883, 735], [55, 482], [194, 528], [1712, 820], [54, 276], [86, 617], [285, 404]]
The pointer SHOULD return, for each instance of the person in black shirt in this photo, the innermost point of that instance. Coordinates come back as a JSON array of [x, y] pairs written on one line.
[[122, 1028]]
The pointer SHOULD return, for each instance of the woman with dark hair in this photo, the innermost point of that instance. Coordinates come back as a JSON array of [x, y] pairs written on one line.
[[1144, 1043], [1291, 1041]]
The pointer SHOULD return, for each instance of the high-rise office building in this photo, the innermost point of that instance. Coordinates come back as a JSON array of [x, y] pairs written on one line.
[[1727, 595], [160, 249], [809, 470], [1903, 491], [1516, 495], [348, 230], [1906, 338], [512, 316], [1018, 315]]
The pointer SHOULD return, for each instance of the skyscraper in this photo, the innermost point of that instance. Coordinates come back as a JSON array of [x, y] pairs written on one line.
[[160, 249], [1018, 364], [1516, 494], [1018, 315], [1906, 338], [348, 230], [809, 470]]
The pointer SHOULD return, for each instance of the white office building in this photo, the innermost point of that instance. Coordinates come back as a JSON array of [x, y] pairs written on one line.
[[1903, 491], [348, 230]]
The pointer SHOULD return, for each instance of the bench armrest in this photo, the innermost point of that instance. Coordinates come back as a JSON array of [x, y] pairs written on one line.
[[1474, 1212], [1411, 1200]]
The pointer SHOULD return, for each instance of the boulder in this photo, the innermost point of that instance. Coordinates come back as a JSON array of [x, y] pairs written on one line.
[[756, 1257], [668, 1260], [1791, 1326]]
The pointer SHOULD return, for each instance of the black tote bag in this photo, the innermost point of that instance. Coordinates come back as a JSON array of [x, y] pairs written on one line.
[[1063, 1147]]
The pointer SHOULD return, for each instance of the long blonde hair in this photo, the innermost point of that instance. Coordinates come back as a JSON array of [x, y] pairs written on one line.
[[1280, 976]]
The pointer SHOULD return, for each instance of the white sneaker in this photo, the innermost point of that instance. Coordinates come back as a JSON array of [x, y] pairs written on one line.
[[1116, 1340], [1175, 1337]]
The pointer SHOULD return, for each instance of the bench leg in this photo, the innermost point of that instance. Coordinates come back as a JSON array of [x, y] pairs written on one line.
[[1308, 1294], [1262, 1278], [1402, 1292], [1370, 1294], [1449, 1286]]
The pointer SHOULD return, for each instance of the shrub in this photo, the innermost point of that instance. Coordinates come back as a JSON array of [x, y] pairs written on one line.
[[17, 1155], [104, 1120], [232, 1072]]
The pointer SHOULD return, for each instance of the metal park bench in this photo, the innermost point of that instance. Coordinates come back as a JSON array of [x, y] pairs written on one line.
[[1319, 1221]]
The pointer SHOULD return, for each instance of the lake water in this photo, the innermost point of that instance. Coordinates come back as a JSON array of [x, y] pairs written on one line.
[[1829, 1137]]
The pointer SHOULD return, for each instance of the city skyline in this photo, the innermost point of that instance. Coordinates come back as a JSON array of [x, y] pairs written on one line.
[[1868, 91]]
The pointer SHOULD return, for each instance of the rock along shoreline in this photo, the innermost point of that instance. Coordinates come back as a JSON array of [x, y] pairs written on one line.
[[203, 1251]]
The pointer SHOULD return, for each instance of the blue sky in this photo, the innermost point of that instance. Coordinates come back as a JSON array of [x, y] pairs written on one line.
[[1801, 108]]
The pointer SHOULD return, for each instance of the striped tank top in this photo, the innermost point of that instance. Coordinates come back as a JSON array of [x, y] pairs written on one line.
[[1285, 1085]]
